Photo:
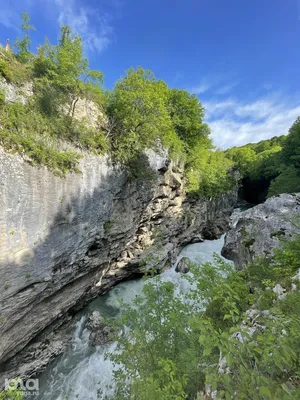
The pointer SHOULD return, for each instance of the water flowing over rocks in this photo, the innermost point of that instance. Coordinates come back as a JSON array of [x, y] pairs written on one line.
[[258, 230], [65, 241]]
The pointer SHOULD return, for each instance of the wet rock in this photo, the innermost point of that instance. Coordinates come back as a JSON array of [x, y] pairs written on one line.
[[197, 239], [183, 265], [100, 332], [94, 321], [101, 336]]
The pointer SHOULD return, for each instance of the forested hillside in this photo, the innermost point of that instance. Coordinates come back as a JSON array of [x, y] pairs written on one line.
[[269, 167]]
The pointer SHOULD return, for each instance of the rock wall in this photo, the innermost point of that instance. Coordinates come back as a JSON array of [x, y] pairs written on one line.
[[64, 241], [258, 230]]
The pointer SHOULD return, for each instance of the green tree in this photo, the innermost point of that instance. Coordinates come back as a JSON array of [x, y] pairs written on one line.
[[291, 147], [176, 342], [187, 114], [243, 157], [207, 169], [158, 355], [23, 44], [137, 105], [287, 182], [63, 74]]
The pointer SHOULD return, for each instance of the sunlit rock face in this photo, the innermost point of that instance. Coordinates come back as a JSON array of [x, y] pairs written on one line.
[[64, 241], [260, 229]]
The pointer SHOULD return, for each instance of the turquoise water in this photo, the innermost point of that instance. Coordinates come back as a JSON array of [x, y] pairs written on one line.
[[82, 370]]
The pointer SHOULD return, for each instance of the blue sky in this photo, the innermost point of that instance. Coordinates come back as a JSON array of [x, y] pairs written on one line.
[[240, 57]]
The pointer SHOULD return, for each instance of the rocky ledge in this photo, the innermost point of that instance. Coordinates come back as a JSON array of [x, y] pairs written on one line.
[[260, 229]]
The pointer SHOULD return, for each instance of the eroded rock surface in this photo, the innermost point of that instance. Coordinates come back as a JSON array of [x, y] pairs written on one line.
[[258, 230], [65, 241]]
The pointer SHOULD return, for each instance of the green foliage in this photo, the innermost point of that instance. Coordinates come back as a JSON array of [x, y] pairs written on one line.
[[174, 343], [12, 393], [138, 104], [187, 113], [60, 76], [63, 72], [27, 132], [107, 226], [243, 158], [144, 113], [2, 98], [138, 168], [291, 148], [13, 71], [208, 171], [23, 44], [287, 182], [157, 342], [275, 161]]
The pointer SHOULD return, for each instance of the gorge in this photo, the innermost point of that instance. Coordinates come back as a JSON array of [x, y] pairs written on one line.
[[67, 240], [116, 213]]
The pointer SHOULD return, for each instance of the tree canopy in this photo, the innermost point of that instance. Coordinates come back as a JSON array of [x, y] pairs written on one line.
[[273, 164]]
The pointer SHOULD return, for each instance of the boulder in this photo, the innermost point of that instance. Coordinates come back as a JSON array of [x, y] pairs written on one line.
[[259, 230], [183, 265], [94, 321], [101, 337], [100, 332]]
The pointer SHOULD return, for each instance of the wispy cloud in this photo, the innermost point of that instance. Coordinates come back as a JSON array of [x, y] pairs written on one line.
[[213, 84], [94, 25], [234, 123], [202, 87], [226, 88]]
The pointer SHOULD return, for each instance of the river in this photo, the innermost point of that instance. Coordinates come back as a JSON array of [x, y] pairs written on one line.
[[82, 370]]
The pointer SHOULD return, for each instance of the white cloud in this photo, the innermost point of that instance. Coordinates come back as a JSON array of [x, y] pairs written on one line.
[[235, 124], [214, 109], [213, 84], [93, 25], [226, 88], [203, 87]]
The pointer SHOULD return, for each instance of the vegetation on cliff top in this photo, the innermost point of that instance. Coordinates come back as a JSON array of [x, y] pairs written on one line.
[[270, 166], [243, 344], [140, 112]]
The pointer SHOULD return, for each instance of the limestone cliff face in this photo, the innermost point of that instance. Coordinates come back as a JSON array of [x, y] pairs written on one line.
[[258, 230], [84, 110], [64, 241]]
